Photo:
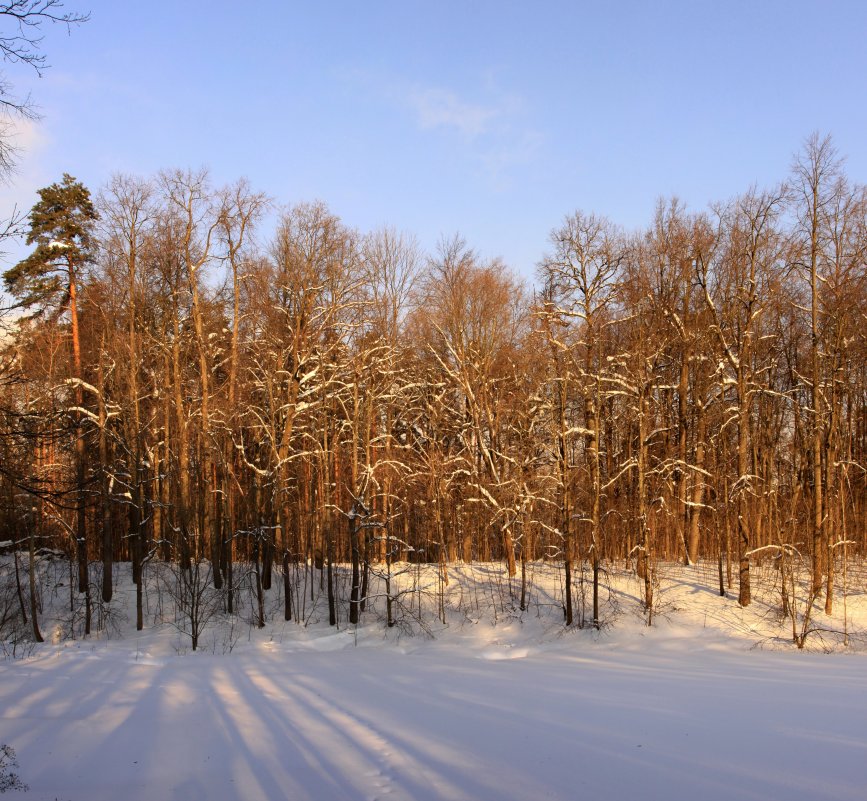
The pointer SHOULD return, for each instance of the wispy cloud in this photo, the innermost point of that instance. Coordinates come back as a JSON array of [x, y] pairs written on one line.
[[25, 138], [441, 108], [490, 122], [29, 141], [518, 150], [496, 132]]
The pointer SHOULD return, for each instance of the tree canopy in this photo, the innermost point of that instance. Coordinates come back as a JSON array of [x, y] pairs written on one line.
[[61, 224]]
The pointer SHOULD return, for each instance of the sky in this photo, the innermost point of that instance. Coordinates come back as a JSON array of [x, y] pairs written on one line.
[[492, 120]]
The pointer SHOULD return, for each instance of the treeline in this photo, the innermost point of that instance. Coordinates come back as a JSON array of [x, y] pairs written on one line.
[[189, 387]]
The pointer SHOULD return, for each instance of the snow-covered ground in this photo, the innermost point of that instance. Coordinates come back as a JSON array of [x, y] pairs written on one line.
[[711, 702]]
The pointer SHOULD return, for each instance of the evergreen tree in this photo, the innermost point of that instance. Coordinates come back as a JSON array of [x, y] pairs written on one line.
[[60, 226]]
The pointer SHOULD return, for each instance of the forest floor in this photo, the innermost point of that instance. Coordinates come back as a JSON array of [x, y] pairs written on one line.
[[712, 701]]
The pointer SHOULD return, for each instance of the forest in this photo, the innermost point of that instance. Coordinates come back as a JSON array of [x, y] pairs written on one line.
[[201, 377]]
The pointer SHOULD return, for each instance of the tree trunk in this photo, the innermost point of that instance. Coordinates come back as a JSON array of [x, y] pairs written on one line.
[[355, 589], [31, 576]]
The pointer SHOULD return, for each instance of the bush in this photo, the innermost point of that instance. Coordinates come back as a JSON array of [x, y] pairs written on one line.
[[8, 777]]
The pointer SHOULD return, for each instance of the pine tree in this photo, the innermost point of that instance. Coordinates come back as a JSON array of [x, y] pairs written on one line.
[[46, 281], [60, 227]]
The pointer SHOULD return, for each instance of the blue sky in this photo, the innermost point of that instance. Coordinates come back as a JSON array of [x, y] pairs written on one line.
[[491, 119]]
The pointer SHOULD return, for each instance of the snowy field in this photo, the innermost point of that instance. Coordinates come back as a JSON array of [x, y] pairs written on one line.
[[711, 702]]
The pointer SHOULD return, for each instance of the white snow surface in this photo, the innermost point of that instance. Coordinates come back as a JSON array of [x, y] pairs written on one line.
[[708, 703]]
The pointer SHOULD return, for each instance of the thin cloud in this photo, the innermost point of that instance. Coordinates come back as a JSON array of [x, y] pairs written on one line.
[[441, 108], [29, 140], [25, 138], [496, 137], [501, 159]]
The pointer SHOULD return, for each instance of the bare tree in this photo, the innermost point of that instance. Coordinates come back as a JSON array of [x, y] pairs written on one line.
[[818, 188], [582, 276], [241, 210], [736, 280], [189, 197], [476, 316], [126, 212]]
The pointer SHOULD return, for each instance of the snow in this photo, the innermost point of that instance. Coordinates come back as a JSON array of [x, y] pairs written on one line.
[[710, 702]]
